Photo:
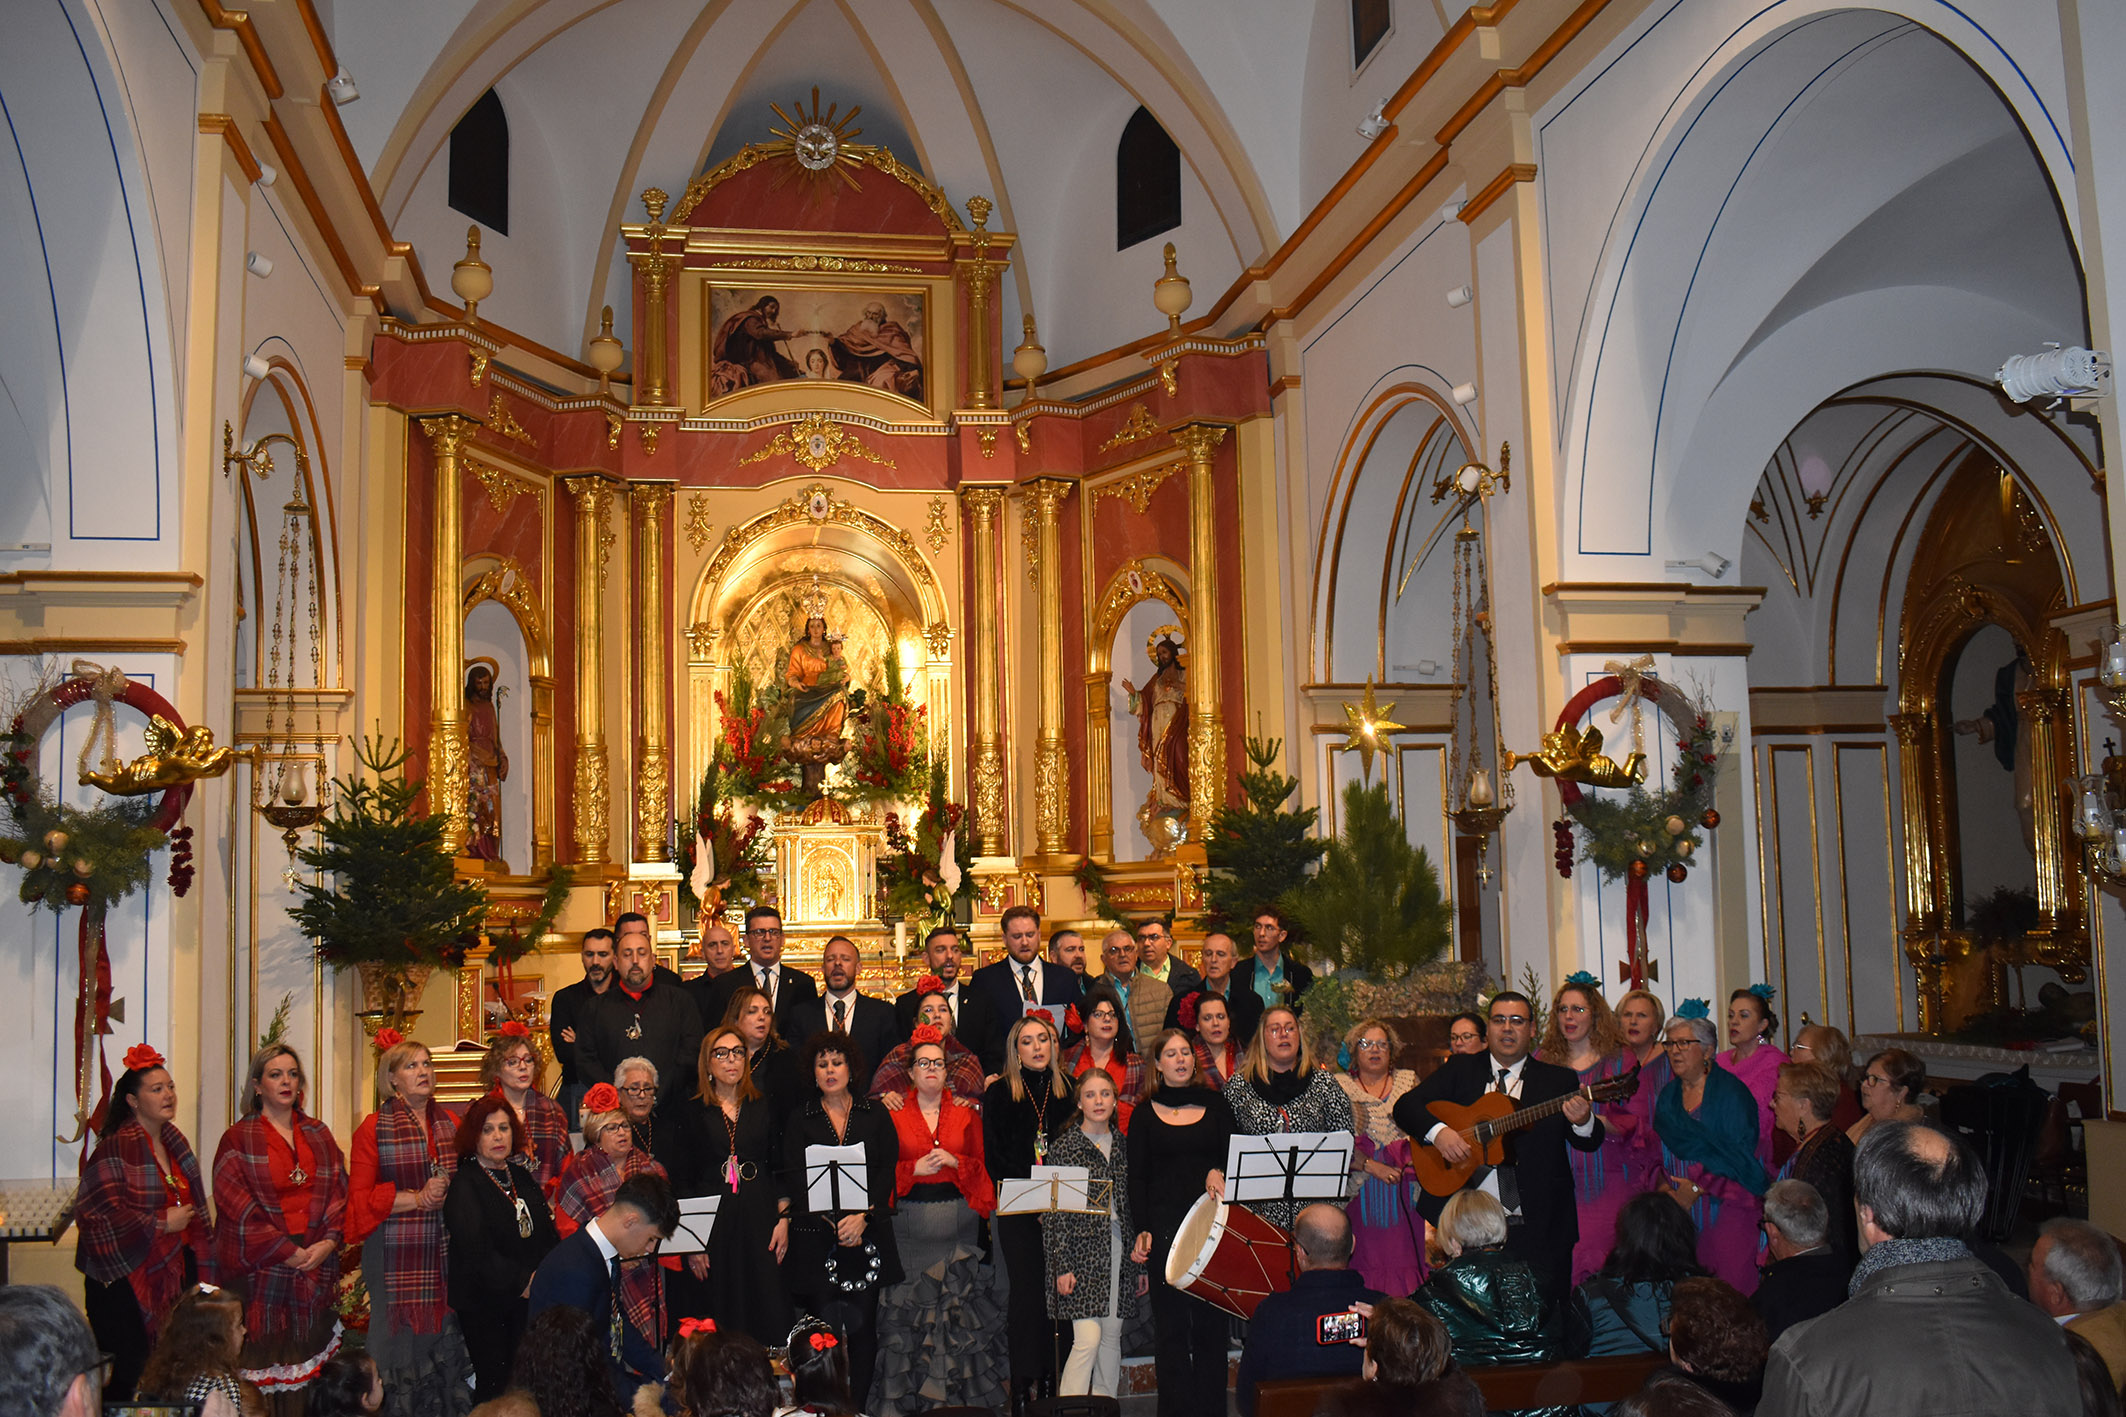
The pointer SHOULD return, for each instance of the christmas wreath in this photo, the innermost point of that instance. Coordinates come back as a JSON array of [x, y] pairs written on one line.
[[1640, 832]]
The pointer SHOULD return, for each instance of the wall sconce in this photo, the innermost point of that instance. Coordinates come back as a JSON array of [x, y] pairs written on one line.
[[1712, 563], [268, 174], [259, 264], [341, 87], [1375, 123], [257, 368], [1459, 296], [1463, 394]]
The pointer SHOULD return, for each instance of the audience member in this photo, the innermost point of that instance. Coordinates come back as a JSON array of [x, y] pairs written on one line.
[[1624, 1307], [1285, 1338], [721, 1375], [49, 1365], [1671, 1393], [2075, 1277], [197, 1349], [1929, 1327], [1719, 1341], [348, 1385], [1409, 1370], [2100, 1395], [1490, 1299], [1889, 1091], [1806, 1276], [561, 1370], [819, 1372], [1822, 1154]]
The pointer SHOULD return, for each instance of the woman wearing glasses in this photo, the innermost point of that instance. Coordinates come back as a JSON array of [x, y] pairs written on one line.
[[1889, 1091], [1387, 1233], [512, 1068], [938, 1327], [1106, 1046], [1280, 1088], [1707, 1122], [734, 1151]]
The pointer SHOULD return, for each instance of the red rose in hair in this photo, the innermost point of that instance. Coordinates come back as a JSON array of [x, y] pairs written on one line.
[[925, 1033], [387, 1039], [929, 984], [1071, 1020], [141, 1057], [1187, 1012], [512, 1028], [1046, 1016], [603, 1097]]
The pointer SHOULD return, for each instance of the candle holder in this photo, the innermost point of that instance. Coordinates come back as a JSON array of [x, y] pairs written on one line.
[[1481, 823]]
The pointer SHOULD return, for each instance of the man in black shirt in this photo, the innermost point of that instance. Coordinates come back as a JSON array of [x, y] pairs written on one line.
[[571, 1006], [645, 1016], [1807, 1275]]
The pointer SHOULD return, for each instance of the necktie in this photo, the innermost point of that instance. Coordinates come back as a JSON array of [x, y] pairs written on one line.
[[1026, 982], [841, 1009], [1502, 1080], [767, 986], [613, 1319]]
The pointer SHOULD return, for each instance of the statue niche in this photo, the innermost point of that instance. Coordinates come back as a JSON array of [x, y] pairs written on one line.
[[815, 674]]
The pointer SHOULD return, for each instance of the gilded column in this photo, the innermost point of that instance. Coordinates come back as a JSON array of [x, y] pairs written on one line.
[[2057, 854], [1922, 924], [984, 507], [593, 821], [653, 754], [1051, 764], [1206, 736], [1099, 765], [656, 270], [981, 274], [449, 753]]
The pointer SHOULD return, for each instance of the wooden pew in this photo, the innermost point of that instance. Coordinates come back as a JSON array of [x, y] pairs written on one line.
[[1506, 1387]]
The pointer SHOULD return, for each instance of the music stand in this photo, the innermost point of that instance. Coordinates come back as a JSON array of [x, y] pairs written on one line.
[[697, 1218], [837, 1181], [1068, 1189], [1288, 1166]]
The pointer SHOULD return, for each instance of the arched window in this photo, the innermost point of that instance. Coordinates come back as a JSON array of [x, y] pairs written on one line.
[[479, 164], [1369, 26], [1147, 181]]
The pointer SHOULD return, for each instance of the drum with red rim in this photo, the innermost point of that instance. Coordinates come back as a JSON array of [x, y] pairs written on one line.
[[1229, 1256]]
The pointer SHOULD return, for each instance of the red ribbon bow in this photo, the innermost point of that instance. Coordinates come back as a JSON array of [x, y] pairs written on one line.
[[821, 1342], [1071, 1020], [688, 1328], [603, 1097], [387, 1039], [1186, 1014], [925, 1033], [929, 984], [512, 1028], [141, 1057]]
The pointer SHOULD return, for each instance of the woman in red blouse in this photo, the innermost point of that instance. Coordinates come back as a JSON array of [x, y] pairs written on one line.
[[1106, 1045], [939, 1329], [280, 1188], [403, 1157], [513, 1068]]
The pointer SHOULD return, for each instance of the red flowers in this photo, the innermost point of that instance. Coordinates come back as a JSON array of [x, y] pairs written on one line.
[[387, 1039], [689, 1328], [1186, 1013], [1046, 1016], [821, 1342], [925, 1033], [603, 1097], [513, 1028], [140, 1057], [1071, 1020], [929, 984]]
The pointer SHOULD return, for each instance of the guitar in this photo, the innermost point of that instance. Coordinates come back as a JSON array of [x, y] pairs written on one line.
[[1484, 1124]]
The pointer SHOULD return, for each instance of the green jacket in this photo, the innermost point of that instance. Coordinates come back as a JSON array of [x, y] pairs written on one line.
[[1494, 1313]]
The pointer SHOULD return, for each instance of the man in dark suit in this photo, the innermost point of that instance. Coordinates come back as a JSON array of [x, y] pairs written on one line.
[[785, 987], [1807, 1275], [1535, 1181], [1270, 974], [583, 1272], [1284, 1337], [644, 1014], [869, 1022], [941, 956], [570, 1007], [1243, 1006], [1022, 977], [719, 955]]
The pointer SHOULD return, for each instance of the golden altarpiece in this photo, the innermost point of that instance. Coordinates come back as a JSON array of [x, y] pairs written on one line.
[[813, 464]]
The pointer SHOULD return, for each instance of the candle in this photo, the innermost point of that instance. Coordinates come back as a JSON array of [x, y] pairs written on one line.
[[1479, 788], [2092, 812], [900, 940]]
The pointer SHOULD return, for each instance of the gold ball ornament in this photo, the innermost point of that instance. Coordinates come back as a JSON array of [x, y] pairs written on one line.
[[55, 841], [1684, 848], [1673, 826], [83, 869], [32, 859], [1709, 819], [77, 893], [1638, 870], [1646, 848]]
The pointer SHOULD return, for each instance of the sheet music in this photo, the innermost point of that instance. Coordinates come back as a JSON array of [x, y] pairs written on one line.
[[836, 1180], [1289, 1166], [1065, 1188], [697, 1218]]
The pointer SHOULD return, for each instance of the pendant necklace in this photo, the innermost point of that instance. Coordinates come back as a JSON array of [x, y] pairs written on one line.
[[507, 1184], [297, 1176], [730, 1165], [1040, 1127], [634, 1029]]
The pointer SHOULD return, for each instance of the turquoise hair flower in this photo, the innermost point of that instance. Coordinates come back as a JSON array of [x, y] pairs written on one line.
[[1694, 1008], [1582, 978], [1764, 991]]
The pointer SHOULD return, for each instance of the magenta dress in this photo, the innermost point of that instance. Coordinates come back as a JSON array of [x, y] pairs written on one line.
[[1728, 1217], [1387, 1233], [1761, 1076], [1628, 1162]]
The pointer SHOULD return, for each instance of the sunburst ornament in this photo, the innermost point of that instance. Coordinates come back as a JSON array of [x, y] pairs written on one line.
[[1370, 725], [820, 142]]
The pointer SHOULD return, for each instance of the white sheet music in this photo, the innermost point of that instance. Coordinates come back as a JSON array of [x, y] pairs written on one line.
[[697, 1218], [836, 1180], [1288, 1165]]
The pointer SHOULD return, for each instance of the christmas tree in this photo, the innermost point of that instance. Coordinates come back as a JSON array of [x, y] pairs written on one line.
[[1260, 852], [1375, 905]]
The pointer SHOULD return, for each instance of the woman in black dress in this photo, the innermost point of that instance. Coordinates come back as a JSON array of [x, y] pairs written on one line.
[[777, 1072], [500, 1227], [1177, 1146], [1022, 1112], [841, 1260], [734, 1151]]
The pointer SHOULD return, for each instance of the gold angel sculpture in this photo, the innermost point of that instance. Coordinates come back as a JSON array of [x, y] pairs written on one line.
[[1572, 756], [175, 756]]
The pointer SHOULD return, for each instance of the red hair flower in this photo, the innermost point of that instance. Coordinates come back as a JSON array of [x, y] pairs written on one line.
[[387, 1039], [1186, 1014], [689, 1328], [821, 1342], [512, 1028], [141, 1057], [603, 1097], [1071, 1020], [925, 1033], [929, 984], [1046, 1016]]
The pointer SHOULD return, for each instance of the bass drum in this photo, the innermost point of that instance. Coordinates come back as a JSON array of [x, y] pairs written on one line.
[[1229, 1256]]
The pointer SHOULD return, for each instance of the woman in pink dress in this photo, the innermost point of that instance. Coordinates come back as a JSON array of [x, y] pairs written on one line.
[[1585, 1036], [1754, 1058], [1387, 1233], [1707, 1122]]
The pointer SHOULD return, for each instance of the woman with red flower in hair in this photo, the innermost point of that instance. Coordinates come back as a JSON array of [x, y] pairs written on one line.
[[893, 1077], [1106, 1044], [513, 1068], [145, 1232], [1210, 1018]]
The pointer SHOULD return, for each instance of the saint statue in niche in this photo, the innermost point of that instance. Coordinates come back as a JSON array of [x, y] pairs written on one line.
[[1161, 707], [489, 765], [816, 674]]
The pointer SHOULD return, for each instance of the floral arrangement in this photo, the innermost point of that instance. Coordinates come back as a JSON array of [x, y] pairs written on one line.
[[887, 760], [922, 875], [725, 859]]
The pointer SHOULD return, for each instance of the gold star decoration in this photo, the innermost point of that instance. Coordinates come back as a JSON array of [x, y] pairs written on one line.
[[1370, 725]]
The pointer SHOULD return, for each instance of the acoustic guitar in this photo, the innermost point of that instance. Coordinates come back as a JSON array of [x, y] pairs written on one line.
[[1484, 1124]]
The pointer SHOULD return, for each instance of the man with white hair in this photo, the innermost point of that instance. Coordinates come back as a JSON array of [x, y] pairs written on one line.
[[1807, 1275], [2075, 1276], [1930, 1328]]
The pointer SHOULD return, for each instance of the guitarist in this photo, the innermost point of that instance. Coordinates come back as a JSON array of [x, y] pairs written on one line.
[[1535, 1183]]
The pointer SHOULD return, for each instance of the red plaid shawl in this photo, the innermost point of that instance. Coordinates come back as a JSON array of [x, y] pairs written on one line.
[[120, 1209], [963, 1072], [546, 1131], [254, 1243], [416, 1248], [583, 1193]]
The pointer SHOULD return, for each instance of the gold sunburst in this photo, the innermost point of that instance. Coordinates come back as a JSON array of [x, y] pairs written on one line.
[[819, 142]]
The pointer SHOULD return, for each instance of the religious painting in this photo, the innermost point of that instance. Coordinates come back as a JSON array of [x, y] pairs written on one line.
[[842, 334]]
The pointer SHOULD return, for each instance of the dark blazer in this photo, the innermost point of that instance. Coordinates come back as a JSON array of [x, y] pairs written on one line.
[[1243, 1004], [1181, 976], [490, 1263], [796, 987], [670, 1036], [997, 986], [872, 1028], [1800, 1287], [574, 1275], [1283, 1337], [1550, 1226], [1296, 974]]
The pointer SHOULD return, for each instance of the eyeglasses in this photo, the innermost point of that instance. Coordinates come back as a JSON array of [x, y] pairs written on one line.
[[723, 1055], [639, 1089], [1371, 1045], [1682, 1043], [927, 1065], [1104, 1011], [1875, 1078], [1465, 1037], [764, 933], [1509, 1020]]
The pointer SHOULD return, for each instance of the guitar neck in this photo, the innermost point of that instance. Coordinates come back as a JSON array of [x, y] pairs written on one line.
[[1529, 1116]]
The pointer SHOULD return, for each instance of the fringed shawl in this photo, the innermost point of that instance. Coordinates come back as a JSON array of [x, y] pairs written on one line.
[[253, 1240], [1722, 1137]]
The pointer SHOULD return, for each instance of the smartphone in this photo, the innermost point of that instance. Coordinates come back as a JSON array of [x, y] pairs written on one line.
[[1339, 1328]]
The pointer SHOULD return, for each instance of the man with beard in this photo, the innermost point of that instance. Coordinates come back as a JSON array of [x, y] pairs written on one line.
[[877, 351], [570, 1007], [643, 1015], [1067, 948], [869, 1022], [746, 348]]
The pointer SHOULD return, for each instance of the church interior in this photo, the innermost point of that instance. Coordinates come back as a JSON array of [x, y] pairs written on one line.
[[906, 460]]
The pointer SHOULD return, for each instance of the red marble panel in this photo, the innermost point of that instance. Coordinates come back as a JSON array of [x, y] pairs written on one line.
[[768, 198]]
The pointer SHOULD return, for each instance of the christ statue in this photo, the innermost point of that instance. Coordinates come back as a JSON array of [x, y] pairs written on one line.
[[1161, 707], [489, 765]]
